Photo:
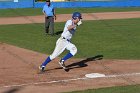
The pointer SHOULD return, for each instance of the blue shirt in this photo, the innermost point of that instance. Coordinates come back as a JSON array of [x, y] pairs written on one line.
[[49, 10]]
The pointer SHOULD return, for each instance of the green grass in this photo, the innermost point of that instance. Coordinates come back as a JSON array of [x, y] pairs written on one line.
[[38, 11], [120, 89], [20, 12], [115, 39]]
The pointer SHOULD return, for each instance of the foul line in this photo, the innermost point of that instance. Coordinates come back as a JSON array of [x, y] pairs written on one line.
[[120, 75], [68, 80]]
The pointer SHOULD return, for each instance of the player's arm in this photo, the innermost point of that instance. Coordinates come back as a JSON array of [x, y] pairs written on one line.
[[54, 14], [70, 27], [44, 12]]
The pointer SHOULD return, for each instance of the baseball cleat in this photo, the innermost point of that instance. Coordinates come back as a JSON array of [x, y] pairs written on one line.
[[61, 63], [42, 68]]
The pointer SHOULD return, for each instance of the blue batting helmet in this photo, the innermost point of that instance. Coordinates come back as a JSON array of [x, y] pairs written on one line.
[[76, 15]]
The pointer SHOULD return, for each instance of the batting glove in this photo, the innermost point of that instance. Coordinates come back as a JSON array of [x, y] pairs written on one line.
[[79, 23]]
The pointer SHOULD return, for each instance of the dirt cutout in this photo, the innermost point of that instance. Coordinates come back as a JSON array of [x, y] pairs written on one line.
[[64, 17], [19, 70]]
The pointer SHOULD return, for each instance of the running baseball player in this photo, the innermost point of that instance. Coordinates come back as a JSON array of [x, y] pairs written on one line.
[[64, 42]]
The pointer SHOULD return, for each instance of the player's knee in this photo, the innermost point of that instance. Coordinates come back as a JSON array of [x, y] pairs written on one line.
[[73, 51], [52, 57]]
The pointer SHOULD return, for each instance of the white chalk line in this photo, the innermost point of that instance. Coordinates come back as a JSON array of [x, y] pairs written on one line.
[[68, 80], [45, 82], [120, 75]]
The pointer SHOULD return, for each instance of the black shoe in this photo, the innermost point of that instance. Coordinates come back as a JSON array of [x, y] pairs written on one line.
[[46, 31], [61, 63], [42, 68]]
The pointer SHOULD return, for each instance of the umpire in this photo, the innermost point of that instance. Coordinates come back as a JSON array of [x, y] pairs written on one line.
[[49, 12]]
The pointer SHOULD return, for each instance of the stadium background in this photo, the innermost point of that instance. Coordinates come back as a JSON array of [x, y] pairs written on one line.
[[68, 3]]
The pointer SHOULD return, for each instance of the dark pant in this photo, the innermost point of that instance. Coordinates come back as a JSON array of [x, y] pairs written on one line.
[[49, 25]]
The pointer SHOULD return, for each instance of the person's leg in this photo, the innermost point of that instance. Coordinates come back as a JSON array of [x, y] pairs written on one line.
[[60, 47], [51, 25], [47, 23], [42, 67], [67, 56], [46, 62], [73, 50]]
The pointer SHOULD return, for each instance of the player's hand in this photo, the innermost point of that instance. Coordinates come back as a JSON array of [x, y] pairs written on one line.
[[46, 15], [55, 17], [79, 23]]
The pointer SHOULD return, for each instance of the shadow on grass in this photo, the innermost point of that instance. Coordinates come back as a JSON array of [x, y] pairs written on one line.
[[58, 33]]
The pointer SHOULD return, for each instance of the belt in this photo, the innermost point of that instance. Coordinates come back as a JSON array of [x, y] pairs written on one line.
[[49, 17], [66, 39]]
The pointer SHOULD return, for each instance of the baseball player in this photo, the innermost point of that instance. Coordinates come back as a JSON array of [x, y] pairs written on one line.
[[64, 42]]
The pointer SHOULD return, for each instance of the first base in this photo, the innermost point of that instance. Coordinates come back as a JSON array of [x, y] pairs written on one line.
[[94, 75]]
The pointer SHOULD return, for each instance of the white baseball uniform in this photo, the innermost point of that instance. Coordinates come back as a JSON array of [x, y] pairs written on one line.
[[64, 41]]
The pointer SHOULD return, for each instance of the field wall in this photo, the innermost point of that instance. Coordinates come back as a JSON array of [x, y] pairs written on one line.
[[69, 4]]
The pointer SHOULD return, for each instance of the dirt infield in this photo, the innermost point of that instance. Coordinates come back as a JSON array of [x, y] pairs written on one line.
[[64, 17], [19, 70]]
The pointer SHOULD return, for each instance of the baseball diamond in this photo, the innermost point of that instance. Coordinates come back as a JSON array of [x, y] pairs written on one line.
[[19, 66]]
